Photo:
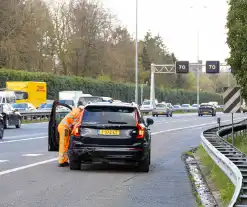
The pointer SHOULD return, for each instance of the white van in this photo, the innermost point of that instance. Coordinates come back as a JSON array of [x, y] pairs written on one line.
[[70, 98], [7, 97]]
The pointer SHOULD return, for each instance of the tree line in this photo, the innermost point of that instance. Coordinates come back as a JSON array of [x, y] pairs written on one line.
[[83, 38], [237, 41]]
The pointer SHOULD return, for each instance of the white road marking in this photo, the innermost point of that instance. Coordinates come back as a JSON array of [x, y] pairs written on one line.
[[27, 166], [21, 140], [1, 161], [32, 155], [26, 135], [191, 127]]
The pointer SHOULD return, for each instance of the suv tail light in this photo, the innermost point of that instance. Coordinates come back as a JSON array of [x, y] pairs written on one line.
[[140, 128], [140, 131]]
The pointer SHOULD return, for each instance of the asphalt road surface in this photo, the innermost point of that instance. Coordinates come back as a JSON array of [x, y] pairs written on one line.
[[29, 175]]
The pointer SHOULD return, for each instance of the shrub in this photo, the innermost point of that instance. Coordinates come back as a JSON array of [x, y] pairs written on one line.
[[121, 91]]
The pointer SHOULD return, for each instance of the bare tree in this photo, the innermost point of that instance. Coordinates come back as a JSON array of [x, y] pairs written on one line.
[[62, 34]]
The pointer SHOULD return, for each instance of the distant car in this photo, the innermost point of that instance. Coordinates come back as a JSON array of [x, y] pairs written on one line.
[[207, 109], [194, 107], [162, 109], [45, 105], [11, 116], [108, 132], [41, 106], [146, 107], [21, 107], [176, 107], [46, 108], [186, 107]]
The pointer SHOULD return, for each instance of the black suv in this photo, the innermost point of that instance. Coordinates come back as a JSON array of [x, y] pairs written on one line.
[[108, 132]]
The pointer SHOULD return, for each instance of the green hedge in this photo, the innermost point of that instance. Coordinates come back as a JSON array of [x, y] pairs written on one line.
[[124, 92]]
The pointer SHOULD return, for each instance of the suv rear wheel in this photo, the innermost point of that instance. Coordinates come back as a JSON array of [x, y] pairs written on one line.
[[1, 129], [143, 166], [75, 165]]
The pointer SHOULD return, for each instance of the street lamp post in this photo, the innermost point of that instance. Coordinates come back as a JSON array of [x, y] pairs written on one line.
[[198, 71], [198, 64], [136, 68]]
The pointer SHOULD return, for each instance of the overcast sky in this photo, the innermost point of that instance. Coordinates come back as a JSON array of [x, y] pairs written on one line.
[[178, 23]]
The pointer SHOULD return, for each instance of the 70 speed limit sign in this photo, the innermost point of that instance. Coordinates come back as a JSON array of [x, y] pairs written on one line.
[[182, 66], [212, 66]]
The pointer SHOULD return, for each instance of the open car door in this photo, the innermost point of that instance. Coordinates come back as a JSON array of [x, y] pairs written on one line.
[[55, 118]]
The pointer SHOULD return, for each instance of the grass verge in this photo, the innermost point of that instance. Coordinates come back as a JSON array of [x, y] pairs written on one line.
[[240, 142], [212, 172]]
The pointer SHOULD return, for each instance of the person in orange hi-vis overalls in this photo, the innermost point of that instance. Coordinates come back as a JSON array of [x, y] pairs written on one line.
[[64, 129]]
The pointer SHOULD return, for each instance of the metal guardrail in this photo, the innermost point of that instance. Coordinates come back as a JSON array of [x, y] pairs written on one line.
[[231, 161], [32, 115]]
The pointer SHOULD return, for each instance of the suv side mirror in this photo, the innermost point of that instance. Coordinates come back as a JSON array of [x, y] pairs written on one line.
[[150, 121]]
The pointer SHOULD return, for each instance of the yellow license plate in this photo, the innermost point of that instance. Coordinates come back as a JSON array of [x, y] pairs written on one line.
[[109, 132]]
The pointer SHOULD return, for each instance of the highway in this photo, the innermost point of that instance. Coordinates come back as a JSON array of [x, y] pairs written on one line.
[[29, 175]]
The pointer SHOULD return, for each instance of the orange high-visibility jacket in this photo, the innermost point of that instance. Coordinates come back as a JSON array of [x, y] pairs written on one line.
[[71, 118]]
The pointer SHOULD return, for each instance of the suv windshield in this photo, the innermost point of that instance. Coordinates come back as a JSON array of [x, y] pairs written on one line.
[[109, 115]]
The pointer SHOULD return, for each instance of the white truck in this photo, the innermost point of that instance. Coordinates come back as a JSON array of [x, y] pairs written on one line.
[[71, 98]]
